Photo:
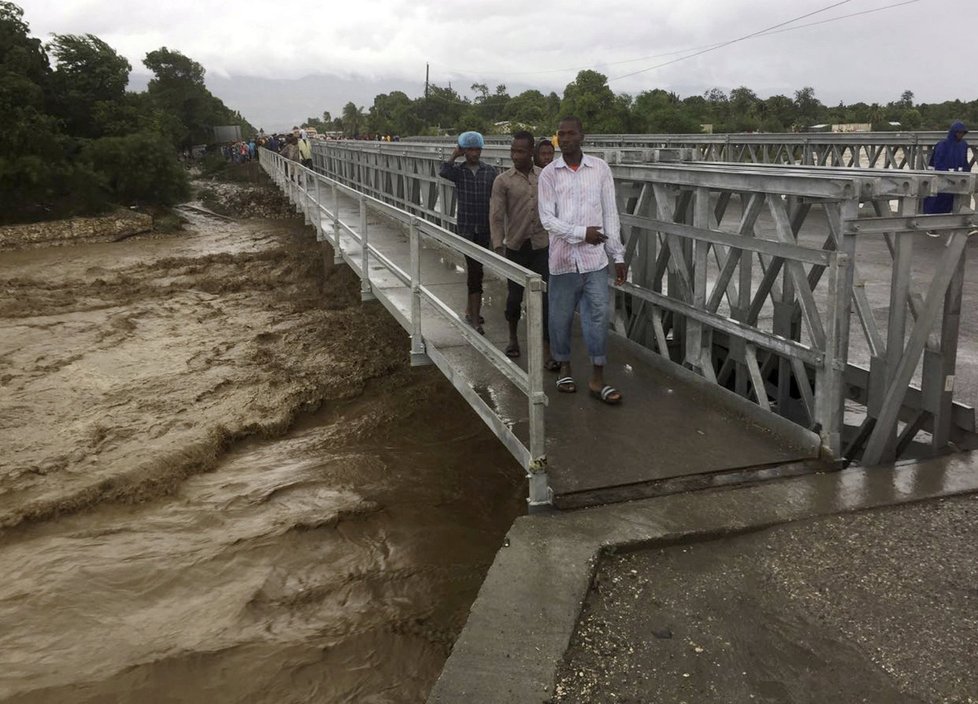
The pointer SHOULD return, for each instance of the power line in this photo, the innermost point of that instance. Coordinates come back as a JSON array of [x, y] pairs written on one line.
[[778, 29], [775, 29], [733, 41], [842, 17]]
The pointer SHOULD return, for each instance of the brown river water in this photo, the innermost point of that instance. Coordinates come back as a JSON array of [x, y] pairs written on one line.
[[221, 482]]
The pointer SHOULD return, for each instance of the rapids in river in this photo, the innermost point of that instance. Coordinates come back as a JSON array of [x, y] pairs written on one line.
[[220, 481]]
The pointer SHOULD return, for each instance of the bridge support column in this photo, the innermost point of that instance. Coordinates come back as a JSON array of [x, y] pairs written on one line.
[[829, 388]]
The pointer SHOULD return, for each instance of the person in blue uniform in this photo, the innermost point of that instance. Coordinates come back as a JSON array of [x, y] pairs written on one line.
[[950, 154]]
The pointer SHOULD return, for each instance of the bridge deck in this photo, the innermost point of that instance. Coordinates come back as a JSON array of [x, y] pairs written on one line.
[[671, 424]]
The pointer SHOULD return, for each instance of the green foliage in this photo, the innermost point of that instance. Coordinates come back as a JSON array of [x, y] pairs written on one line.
[[75, 142], [90, 78], [591, 99], [178, 89], [353, 120], [393, 114], [138, 168]]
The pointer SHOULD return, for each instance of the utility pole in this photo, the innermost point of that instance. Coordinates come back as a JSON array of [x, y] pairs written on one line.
[[427, 68]]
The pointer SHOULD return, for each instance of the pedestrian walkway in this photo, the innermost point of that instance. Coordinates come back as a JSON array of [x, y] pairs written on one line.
[[672, 426]]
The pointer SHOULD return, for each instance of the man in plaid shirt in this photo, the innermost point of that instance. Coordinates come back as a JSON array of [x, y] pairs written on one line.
[[473, 188]]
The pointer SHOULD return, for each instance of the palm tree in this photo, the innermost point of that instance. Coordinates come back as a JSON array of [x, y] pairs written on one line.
[[353, 119]]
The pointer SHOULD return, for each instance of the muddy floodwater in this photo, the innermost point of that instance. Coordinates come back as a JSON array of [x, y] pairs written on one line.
[[221, 482]]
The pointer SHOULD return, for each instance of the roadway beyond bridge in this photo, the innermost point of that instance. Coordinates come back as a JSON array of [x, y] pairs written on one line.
[[747, 342]]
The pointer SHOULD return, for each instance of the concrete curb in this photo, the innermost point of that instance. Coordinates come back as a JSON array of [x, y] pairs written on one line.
[[527, 609]]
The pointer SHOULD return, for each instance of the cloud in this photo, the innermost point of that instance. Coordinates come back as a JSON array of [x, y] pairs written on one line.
[[541, 44]]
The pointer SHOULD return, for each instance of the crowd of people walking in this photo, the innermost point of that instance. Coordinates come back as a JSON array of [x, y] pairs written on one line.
[[557, 217]]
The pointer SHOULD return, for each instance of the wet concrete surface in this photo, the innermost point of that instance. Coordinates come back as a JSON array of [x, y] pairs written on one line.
[[222, 482], [528, 608], [851, 608]]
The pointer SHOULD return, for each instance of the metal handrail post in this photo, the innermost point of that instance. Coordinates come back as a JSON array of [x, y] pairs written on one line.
[[540, 493], [319, 209], [290, 176], [419, 355], [337, 245], [366, 292]]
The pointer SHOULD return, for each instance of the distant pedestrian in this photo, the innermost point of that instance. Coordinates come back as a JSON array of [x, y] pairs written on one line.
[[544, 152], [291, 153], [950, 154], [473, 186], [578, 209], [305, 149]]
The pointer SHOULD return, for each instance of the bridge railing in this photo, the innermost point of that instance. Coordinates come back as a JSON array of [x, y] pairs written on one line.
[[749, 275], [702, 235], [319, 197], [901, 150]]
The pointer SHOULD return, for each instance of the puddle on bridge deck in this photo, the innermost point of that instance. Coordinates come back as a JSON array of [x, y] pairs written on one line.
[[336, 563]]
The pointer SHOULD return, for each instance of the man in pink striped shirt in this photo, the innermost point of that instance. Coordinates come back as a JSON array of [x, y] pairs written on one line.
[[578, 209]]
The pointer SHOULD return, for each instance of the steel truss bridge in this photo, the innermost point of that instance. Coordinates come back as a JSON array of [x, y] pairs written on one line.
[[884, 150], [775, 314]]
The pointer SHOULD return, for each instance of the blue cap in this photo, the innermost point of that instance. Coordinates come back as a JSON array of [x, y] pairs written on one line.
[[471, 140]]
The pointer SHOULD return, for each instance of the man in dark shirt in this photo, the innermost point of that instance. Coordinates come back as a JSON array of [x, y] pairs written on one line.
[[473, 188]]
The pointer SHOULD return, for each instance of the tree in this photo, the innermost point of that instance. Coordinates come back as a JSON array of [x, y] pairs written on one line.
[[393, 114], [481, 91], [877, 116], [911, 119], [718, 109], [781, 113], [808, 108], [178, 88], [529, 109], [658, 111], [746, 112], [173, 68], [138, 168], [443, 108], [89, 73], [34, 171], [591, 99], [353, 119]]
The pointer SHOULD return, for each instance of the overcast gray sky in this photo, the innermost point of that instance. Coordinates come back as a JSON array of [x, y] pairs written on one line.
[[358, 49]]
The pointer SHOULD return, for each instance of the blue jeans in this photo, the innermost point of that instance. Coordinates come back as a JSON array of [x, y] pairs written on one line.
[[565, 292]]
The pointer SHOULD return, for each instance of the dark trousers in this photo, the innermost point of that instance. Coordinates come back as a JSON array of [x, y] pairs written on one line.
[[536, 260], [473, 269], [941, 203]]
